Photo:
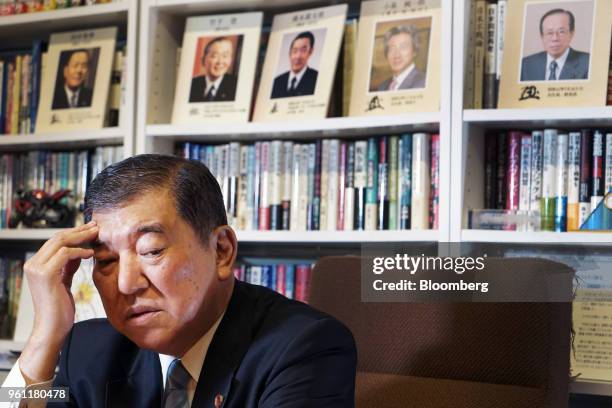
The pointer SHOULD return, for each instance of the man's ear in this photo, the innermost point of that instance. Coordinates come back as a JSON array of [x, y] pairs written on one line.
[[226, 247]]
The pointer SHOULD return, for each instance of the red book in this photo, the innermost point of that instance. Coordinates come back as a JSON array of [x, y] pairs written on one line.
[[264, 187], [281, 273], [434, 191], [302, 282], [513, 171]]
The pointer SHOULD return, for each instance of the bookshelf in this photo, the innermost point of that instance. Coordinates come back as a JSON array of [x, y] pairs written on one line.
[[161, 27]]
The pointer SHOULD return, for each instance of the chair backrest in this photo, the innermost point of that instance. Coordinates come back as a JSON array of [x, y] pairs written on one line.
[[520, 344]]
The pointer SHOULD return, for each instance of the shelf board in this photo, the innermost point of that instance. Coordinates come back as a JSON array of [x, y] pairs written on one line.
[[72, 139], [43, 23], [529, 118], [11, 345], [542, 237], [305, 129], [337, 236], [272, 236], [591, 387]]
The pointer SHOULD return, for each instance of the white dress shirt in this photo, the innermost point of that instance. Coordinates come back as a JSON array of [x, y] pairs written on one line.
[[298, 77], [216, 83], [192, 361], [401, 77], [560, 63], [70, 93]]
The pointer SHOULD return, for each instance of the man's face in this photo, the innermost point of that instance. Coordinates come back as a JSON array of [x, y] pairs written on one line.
[[299, 54], [159, 284], [75, 71], [400, 52], [218, 59], [556, 34]]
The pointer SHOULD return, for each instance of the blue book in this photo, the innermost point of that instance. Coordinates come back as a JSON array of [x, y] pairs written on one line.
[[35, 82], [290, 281], [272, 277]]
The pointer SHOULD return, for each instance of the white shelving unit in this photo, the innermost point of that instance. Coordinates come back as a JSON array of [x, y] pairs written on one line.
[[161, 27]]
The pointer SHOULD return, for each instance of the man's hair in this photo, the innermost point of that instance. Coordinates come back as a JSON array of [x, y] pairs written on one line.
[[216, 40], [572, 20], [410, 29], [304, 34], [70, 53], [198, 197]]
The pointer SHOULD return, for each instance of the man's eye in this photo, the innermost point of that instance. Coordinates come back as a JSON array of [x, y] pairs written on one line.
[[153, 253]]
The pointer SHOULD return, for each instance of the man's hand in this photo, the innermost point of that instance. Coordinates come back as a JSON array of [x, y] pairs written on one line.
[[49, 273]]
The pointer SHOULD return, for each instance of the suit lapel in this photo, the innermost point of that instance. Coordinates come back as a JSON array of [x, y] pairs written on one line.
[[407, 83], [569, 68], [140, 387], [228, 346]]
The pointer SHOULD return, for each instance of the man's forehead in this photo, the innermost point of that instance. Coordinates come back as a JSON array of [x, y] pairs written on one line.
[[130, 232]]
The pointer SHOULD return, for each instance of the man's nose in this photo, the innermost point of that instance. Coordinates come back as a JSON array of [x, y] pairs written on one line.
[[131, 277]]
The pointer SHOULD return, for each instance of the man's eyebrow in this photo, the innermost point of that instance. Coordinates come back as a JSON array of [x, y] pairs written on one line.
[[155, 228]]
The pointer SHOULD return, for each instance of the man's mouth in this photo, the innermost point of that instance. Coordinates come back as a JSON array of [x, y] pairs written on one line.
[[141, 314]]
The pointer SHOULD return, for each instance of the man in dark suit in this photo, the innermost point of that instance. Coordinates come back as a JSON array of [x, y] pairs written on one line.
[[558, 61], [300, 80], [163, 265], [216, 85], [72, 92], [401, 47]]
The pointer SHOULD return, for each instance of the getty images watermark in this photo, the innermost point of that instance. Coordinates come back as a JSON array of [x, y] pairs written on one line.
[[392, 275]]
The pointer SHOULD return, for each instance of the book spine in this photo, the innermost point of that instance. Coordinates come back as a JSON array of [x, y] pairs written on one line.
[[479, 52], [405, 182], [501, 26], [233, 178], [525, 176], [608, 163], [314, 185], [257, 185], [361, 177], [304, 203], [264, 192], [296, 188], [573, 181], [597, 177], [302, 281], [549, 174], [242, 206], [393, 182], [281, 278], [3, 70], [324, 184], [434, 214], [9, 97], [36, 78], [561, 184], [349, 188], [420, 181], [535, 194], [490, 65], [372, 185], [290, 281], [342, 185], [276, 171], [252, 189], [586, 155], [24, 111], [502, 159], [468, 91], [332, 184], [383, 184], [513, 170], [490, 171], [286, 184]]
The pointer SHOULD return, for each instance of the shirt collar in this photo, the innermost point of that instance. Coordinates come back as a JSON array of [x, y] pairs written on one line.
[[216, 83], [69, 91], [299, 76], [193, 360], [560, 61], [402, 75]]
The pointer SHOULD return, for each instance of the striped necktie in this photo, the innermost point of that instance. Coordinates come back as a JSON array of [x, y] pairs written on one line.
[[175, 392]]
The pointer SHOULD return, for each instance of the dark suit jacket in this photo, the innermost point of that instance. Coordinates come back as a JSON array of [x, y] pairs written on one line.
[[226, 91], [306, 86], [533, 67], [268, 351], [60, 100], [415, 79]]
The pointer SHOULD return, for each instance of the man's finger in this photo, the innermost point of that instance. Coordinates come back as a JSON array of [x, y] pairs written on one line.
[[64, 255], [68, 238]]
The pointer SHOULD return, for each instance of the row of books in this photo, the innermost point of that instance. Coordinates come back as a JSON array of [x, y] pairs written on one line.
[[10, 7], [11, 272], [21, 73], [288, 279], [382, 183], [562, 175], [51, 171]]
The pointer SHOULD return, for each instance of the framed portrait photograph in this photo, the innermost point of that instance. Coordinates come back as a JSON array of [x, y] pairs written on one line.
[[217, 67], [300, 64], [397, 60], [76, 80], [560, 57]]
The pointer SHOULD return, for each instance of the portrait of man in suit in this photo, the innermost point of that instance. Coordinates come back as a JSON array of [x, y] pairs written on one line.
[[180, 331], [71, 90], [217, 84], [401, 46], [300, 80], [558, 60]]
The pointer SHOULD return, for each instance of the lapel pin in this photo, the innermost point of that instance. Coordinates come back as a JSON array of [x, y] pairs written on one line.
[[218, 400]]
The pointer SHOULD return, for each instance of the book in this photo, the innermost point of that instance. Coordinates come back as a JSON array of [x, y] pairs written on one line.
[[573, 181], [434, 201], [525, 173], [419, 217], [490, 63], [561, 183], [549, 177], [597, 167], [479, 51], [513, 170], [405, 181], [586, 187]]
